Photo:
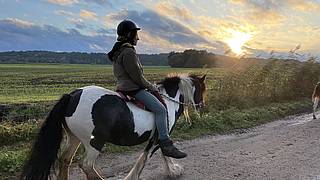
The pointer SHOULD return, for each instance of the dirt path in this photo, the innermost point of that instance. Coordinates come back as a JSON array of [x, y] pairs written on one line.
[[284, 149]]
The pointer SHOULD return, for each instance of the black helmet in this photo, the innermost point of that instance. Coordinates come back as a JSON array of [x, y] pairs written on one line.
[[125, 27]]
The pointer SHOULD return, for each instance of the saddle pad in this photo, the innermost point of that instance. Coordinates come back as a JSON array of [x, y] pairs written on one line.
[[128, 98]]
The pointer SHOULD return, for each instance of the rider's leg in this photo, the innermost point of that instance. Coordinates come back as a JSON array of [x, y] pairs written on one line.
[[152, 103]]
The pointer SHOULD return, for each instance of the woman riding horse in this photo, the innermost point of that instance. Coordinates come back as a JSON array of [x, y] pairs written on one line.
[[130, 80], [94, 116]]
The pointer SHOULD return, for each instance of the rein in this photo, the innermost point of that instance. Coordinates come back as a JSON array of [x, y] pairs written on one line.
[[185, 104]]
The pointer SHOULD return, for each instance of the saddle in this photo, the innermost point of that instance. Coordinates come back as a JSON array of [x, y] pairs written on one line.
[[138, 103]]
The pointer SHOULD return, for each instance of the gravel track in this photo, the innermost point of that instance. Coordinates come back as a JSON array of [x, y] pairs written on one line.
[[285, 149]]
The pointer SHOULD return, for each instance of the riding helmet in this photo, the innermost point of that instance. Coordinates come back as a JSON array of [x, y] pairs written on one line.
[[125, 27]]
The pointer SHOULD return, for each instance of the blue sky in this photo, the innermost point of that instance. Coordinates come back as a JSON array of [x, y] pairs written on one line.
[[261, 28]]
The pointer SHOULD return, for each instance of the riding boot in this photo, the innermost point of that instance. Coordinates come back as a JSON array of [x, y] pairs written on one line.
[[168, 149]]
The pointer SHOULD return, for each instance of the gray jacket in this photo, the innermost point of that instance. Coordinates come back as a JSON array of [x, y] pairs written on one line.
[[128, 71]]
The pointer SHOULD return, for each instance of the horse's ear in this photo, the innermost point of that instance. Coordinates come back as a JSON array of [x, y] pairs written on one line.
[[203, 78]]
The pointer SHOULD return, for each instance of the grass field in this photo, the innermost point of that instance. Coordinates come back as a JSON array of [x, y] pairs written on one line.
[[237, 97], [30, 89], [25, 83]]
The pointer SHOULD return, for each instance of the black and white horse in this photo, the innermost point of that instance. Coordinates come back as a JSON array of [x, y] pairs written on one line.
[[93, 116]]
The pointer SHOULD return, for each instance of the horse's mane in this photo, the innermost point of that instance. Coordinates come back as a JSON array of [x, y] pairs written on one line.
[[184, 83]]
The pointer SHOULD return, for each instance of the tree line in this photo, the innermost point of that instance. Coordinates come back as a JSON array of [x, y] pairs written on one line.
[[74, 58], [198, 59], [190, 58]]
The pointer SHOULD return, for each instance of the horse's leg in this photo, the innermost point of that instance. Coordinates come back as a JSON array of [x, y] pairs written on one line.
[[315, 105], [72, 145], [173, 169], [138, 167], [88, 163]]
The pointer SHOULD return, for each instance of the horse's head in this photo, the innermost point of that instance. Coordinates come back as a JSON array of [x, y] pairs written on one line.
[[191, 88], [199, 87]]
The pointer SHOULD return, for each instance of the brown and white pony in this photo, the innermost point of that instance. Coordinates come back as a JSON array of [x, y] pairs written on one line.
[[315, 99]]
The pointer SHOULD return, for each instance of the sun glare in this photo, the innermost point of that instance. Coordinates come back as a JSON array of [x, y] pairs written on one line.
[[237, 40]]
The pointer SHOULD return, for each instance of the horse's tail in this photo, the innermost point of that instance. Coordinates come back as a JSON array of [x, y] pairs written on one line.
[[46, 147]]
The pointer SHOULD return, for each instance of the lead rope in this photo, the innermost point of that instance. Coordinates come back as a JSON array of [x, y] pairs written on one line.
[[178, 102]]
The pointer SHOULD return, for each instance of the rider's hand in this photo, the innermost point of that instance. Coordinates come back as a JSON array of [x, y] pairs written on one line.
[[157, 87], [154, 88]]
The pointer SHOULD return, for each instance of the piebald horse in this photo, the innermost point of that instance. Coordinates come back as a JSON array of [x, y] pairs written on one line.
[[315, 99], [93, 116]]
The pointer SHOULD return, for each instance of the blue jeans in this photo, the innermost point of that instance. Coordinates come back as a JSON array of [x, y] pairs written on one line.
[[152, 103]]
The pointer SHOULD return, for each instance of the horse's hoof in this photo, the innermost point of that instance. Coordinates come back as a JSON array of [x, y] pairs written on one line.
[[314, 117]]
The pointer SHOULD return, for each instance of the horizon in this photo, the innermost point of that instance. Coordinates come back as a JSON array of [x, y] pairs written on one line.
[[262, 29]]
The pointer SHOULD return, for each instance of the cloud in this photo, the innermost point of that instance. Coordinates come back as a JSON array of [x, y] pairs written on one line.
[[70, 2], [78, 22], [19, 22], [223, 29], [161, 33], [111, 32], [168, 9], [100, 2], [261, 4], [304, 6], [159, 26], [150, 42], [96, 47], [88, 15], [74, 19], [15, 37], [64, 13], [63, 2], [266, 11], [274, 10]]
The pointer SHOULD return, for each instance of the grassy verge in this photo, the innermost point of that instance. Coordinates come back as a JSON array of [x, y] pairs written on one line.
[[231, 119], [13, 156], [14, 133]]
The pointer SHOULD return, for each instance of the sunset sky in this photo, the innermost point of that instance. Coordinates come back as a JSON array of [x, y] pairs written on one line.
[[260, 28]]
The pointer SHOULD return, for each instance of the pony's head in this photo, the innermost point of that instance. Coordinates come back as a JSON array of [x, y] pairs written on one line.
[[191, 87], [199, 90]]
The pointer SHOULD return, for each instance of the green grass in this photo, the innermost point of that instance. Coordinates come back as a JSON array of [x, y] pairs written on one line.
[[12, 159], [25, 83], [228, 120], [14, 133]]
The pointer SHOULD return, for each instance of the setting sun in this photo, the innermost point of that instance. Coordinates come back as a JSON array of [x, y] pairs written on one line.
[[237, 40]]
